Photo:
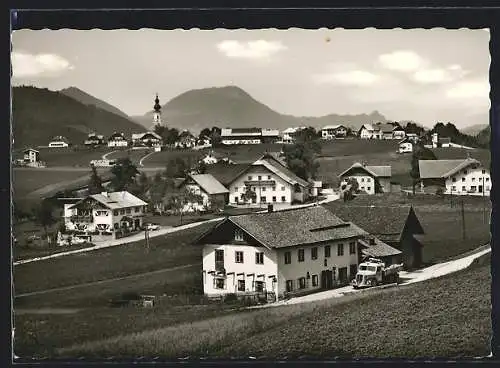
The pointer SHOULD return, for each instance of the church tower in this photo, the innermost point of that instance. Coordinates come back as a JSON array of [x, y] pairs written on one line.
[[157, 112]]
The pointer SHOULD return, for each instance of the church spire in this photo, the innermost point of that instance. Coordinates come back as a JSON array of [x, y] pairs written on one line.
[[157, 112], [157, 105]]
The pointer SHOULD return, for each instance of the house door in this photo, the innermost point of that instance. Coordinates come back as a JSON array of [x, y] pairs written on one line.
[[326, 279], [480, 189], [137, 223]]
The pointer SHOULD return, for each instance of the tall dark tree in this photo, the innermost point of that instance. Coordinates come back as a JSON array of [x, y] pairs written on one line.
[[43, 214], [124, 174], [301, 158], [176, 168], [95, 182], [421, 153], [205, 132], [215, 136]]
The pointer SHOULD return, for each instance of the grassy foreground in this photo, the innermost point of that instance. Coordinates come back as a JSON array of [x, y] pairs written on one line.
[[445, 317]]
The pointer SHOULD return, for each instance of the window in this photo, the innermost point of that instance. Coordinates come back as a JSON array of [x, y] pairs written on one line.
[[115, 212], [343, 275], [263, 199], [253, 188], [368, 188], [116, 226], [263, 189], [128, 210], [288, 257], [238, 235], [259, 258], [282, 188], [454, 179], [463, 189], [259, 286], [340, 249], [302, 283], [368, 180], [483, 171], [238, 256], [314, 280], [363, 180], [249, 177], [487, 179], [235, 189], [122, 212], [463, 179], [289, 285], [137, 209], [473, 179], [241, 285], [301, 255], [283, 199], [352, 248], [260, 177], [362, 188], [465, 172], [269, 177], [327, 251], [353, 269], [473, 188], [236, 199], [453, 188], [219, 255], [314, 253], [274, 188], [274, 198], [219, 283]]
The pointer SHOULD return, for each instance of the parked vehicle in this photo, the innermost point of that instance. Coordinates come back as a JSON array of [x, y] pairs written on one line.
[[373, 272], [152, 227]]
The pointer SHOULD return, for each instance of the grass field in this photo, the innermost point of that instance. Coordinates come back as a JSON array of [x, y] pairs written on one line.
[[71, 157], [134, 155], [160, 159], [445, 317], [483, 155]]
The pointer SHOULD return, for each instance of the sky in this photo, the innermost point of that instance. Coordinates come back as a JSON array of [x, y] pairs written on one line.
[[420, 75]]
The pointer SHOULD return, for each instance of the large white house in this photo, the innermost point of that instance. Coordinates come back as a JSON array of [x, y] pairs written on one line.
[[333, 131], [117, 140], [457, 177], [371, 179], [284, 253], [368, 131], [59, 142], [231, 136], [106, 211], [270, 181]]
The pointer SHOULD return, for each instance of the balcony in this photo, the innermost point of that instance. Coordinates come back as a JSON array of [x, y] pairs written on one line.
[[82, 218], [257, 183]]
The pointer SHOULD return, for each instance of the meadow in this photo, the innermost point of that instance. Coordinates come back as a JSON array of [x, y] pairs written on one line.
[[72, 156], [133, 154], [444, 317]]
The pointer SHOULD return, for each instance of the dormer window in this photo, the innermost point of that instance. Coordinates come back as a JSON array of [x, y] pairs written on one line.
[[238, 235], [249, 177]]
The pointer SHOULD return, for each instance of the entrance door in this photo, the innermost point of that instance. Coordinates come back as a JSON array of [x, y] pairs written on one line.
[[326, 279], [137, 223], [480, 189]]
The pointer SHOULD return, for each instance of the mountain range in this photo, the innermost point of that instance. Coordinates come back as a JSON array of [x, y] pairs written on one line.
[[39, 114]]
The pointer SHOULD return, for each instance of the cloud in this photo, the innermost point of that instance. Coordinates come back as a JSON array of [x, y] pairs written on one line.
[[402, 60], [469, 90], [439, 75], [254, 50], [352, 78], [25, 65]]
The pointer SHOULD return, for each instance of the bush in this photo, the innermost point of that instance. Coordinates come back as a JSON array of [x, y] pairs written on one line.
[[440, 191], [230, 298]]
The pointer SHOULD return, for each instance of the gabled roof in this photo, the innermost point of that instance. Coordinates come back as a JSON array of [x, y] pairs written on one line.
[[375, 171], [333, 127], [385, 222], [115, 200], [387, 128], [226, 173], [379, 249], [31, 149], [276, 167], [433, 169], [209, 184], [367, 127], [293, 130], [116, 135], [295, 227]]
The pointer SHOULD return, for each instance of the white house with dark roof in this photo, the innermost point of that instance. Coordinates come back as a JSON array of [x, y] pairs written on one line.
[[106, 211], [231, 136], [117, 140], [333, 131], [284, 253], [289, 134], [59, 142], [371, 179], [208, 188], [405, 145], [457, 177], [367, 131], [271, 181], [147, 139]]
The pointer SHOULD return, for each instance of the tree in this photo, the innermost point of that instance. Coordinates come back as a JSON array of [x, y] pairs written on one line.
[[421, 153], [351, 187], [248, 194], [202, 167], [157, 190], [124, 172], [160, 129], [215, 136], [95, 182], [217, 204], [176, 168], [301, 158], [205, 132], [43, 215]]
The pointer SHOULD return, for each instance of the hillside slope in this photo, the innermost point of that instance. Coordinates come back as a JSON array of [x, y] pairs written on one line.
[[86, 99], [474, 130], [233, 107], [40, 114]]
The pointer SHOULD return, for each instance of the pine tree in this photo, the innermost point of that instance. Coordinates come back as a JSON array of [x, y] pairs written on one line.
[[95, 182]]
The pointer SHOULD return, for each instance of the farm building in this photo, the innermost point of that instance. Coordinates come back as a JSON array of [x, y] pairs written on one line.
[[289, 134], [283, 253], [397, 226], [208, 188], [249, 135], [31, 155], [458, 177], [371, 179], [368, 131], [333, 131], [106, 212], [94, 140], [117, 140], [391, 131], [405, 146], [270, 182], [186, 140], [59, 142]]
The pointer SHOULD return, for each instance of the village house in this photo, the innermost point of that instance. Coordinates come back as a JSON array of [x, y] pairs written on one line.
[[283, 253], [289, 135], [59, 142], [203, 142], [232, 136], [106, 211], [397, 226], [366, 131], [371, 179], [270, 181], [186, 140], [94, 140], [458, 177], [117, 140], [392, 131], [406, 146], [210, 191], [31, 156], [333, 131], [147, 139]]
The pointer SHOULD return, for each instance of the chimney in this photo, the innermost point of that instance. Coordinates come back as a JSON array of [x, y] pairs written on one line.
[[270, 208]]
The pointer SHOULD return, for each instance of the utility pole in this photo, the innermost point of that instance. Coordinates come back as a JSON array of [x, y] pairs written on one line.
[[146, 237], [463, 220]]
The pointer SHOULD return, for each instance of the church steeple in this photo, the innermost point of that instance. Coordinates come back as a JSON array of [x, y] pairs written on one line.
[[157, 112]]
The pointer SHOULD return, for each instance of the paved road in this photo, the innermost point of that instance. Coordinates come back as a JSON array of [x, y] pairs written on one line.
[[105, 156], [431, 272], [144, 157], [94, 283]]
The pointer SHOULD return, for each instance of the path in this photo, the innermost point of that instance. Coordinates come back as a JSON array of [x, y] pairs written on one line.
[[427, 273], [93, 283], [144, 157], [105, 156], [152, 234]]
